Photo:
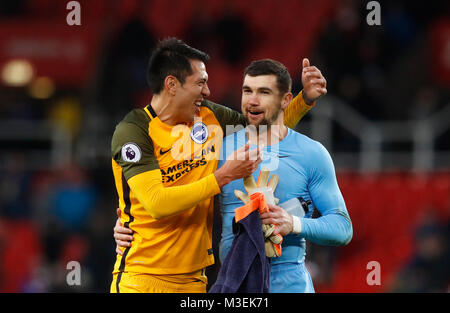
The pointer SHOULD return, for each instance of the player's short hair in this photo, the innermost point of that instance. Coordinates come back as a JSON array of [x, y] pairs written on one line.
[[271, 67], [171, 57]]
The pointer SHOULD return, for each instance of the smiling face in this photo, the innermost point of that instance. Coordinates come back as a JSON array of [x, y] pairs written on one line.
[[189, 96], [261, 101]]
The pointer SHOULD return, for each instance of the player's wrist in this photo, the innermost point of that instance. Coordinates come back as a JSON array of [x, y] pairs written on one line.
[[307, 100], [222, 177]]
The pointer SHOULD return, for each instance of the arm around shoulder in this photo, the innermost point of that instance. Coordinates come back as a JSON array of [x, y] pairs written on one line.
[[296, 110]]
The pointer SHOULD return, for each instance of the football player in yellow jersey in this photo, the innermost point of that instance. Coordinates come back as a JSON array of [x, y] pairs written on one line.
[[164, 160]]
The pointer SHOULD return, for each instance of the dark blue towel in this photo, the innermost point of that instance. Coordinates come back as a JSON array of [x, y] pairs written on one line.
[[246, 267]]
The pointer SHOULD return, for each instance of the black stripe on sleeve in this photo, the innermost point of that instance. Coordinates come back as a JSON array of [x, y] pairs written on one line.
[[127, 210]]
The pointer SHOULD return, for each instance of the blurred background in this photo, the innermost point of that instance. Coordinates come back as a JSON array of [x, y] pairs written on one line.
[[385, 121]]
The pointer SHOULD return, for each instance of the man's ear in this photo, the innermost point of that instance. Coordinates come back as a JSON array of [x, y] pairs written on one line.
[[287, 98], [170, 84]]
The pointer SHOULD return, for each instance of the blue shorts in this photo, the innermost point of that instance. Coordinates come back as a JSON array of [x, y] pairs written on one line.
[[290, 278]]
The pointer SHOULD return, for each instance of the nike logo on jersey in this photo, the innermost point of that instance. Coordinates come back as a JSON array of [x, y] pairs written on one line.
[[161, 152]]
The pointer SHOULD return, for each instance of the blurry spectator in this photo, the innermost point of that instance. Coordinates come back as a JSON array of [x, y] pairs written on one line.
[[350, 52], [368, 66], [233, 35], [67, 113], [15, 188], [64, 202], [200, 33], [428, 269], [400, 27], [73, 198], [73, 229], [124, 70]]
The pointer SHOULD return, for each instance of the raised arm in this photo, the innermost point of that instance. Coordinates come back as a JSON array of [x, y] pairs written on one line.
[[314, 87]]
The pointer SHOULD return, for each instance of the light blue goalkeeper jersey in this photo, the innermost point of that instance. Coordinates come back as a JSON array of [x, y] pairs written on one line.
[[305, 170]]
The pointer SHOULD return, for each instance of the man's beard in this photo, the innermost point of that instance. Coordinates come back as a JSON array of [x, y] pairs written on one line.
[[265, 123]]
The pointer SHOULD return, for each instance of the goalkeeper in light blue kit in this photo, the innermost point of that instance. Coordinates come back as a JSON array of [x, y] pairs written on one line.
[[303, 166]]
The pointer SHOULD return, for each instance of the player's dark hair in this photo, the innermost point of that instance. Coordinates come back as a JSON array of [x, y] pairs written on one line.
[[171, 57], [271, 67]]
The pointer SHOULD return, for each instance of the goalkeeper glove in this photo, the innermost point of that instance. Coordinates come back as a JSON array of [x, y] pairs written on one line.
[[272, 243]]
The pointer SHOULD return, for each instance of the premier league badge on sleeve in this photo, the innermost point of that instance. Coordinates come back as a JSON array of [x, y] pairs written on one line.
[[131, 152], [199, 133]]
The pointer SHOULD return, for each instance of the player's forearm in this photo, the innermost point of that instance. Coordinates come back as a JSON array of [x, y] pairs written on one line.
[[162, 201], [296, 109], [331, 230]]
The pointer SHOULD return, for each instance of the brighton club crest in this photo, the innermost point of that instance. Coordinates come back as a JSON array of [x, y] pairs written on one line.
[[199, 133]]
